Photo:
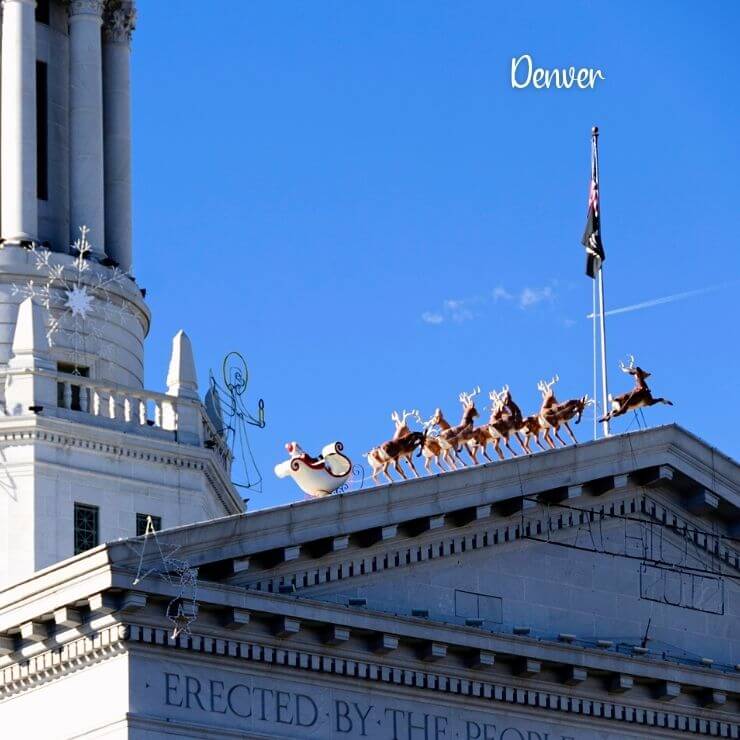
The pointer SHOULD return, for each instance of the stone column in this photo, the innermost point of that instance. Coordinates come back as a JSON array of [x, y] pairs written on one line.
[[86, 186], [19, 212], [119, 25]]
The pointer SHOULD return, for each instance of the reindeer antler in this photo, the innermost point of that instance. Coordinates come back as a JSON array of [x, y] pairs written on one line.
[[545, 387], [467, 398], [631, 365], [425, 424], [405, 414], [400, 421]]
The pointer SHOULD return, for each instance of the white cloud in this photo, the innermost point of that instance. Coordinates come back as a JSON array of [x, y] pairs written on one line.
[[431, 317], [501, 294], [460, 310], [532, 296]]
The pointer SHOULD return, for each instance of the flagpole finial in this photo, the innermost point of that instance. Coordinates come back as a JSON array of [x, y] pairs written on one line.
[[595, 130]]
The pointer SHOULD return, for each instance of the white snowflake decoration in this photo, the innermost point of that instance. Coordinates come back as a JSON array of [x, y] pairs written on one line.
[[77, 299]]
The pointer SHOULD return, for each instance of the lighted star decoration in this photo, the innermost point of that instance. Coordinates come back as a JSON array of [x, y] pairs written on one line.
[[181, 621], [78, 298], [182, 610]]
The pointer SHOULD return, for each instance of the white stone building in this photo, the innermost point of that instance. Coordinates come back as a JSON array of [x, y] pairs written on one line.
[[87, 451], [583, 593], [587, 592]]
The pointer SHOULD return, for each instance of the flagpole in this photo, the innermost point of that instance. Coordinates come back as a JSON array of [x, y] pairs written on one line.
[[604, 386], [596, 383], [602, 312]]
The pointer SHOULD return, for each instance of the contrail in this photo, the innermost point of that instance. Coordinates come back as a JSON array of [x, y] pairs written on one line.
[[665, 299]]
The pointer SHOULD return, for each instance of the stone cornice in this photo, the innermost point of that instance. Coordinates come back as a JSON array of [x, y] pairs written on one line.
[[150, 447], [72, 656]]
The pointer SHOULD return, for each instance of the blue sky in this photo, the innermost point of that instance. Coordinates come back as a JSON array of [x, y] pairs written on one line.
[[353, 196]]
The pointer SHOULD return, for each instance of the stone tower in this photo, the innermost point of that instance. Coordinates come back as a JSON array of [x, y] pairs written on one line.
[[86, 453]]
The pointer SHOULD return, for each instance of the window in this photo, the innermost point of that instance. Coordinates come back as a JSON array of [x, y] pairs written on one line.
[[42, 130], [72, 401], [141, 523], [86, 527], [42, 12]]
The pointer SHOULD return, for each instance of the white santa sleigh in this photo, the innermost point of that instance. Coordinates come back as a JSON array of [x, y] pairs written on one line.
[[316, 476]]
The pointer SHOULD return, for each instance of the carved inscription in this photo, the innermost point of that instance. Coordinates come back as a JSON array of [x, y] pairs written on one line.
[[285, 712], [680, 588]]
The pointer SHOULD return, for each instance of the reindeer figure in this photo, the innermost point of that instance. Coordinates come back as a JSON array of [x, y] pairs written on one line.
[[433, 449], [516, 413], [531, 428], [572, 409], [548, 412], [506, 420], [483, 435], [639, 397], [378, 458], [454, 438], [399, 449]]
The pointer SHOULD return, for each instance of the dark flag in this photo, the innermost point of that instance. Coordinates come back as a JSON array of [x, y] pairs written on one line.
[[592, 234]]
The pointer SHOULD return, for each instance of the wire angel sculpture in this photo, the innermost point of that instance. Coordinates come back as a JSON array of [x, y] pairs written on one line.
[[225, 406]]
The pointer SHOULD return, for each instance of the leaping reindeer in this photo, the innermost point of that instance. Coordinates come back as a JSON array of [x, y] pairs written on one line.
[[640, 396], [454, 438]]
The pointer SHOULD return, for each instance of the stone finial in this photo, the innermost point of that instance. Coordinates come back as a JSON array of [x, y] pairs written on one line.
[[26, 388], [181, 377], [30, 343]]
